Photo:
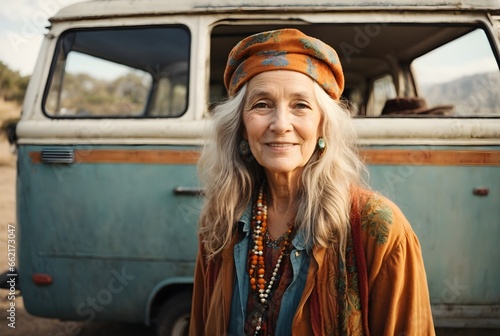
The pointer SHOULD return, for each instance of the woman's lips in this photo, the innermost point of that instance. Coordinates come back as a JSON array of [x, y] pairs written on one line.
[[278, 145]]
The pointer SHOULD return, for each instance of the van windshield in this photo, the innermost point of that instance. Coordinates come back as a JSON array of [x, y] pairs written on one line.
[[120, 72]]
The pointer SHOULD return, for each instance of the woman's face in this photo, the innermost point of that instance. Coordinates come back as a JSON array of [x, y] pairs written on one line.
[[281, 119]]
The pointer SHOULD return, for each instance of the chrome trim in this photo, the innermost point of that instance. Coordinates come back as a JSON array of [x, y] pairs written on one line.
[[58, 155], [189, 191], [466, 316]]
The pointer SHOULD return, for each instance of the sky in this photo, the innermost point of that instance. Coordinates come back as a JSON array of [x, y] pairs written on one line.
[[23, 24], [470, 53]]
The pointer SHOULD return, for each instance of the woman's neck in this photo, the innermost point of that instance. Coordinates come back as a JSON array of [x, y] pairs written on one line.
[[281, 203]]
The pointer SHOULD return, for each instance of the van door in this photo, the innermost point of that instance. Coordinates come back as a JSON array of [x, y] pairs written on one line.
[[107, 191]]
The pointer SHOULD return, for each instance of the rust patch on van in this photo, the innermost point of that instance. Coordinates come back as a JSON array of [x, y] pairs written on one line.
[[431, 157], [369, 156], [130, 156]]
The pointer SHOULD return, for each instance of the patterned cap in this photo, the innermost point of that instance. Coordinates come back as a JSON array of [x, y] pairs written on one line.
[[284, 49]]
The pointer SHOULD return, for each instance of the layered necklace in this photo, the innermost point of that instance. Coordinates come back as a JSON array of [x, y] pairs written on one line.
[[257, 269]]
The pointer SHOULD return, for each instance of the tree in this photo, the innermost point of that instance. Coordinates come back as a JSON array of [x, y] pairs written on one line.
[[12, 84]]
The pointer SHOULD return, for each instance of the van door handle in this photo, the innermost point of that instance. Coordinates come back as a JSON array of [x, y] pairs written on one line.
[[58, 155], [189, 191]]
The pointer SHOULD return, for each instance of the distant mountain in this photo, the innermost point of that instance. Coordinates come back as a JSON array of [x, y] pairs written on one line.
[[476, 95]]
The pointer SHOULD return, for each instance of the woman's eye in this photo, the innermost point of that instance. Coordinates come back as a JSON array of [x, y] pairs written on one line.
[[301, 106], [260, 105]]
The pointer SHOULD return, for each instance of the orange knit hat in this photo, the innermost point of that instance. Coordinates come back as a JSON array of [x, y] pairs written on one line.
[[284, 49]]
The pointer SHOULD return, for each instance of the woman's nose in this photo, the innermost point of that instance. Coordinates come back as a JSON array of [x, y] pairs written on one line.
[[281, 122]]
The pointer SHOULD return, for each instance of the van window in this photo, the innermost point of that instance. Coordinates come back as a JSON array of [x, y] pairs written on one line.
[[463, 75], [393, 70], [120, 72], [383, 89]]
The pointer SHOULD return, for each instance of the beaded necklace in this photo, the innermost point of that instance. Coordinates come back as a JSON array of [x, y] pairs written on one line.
[[257, 270], [278, 242]]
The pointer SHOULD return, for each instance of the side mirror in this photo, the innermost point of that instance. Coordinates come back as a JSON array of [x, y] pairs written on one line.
[[9, 127]]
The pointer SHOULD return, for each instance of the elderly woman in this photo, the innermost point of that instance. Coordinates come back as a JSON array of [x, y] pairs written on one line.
[[290, 243]]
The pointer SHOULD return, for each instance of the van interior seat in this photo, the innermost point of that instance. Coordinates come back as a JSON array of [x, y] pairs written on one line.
[[413, 107]]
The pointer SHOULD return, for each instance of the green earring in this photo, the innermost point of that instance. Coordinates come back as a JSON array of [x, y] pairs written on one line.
[[321, 144]]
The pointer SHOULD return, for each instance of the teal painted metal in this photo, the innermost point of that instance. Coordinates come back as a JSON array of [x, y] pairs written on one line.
[[458, 231], [85, 223], [111, 235]]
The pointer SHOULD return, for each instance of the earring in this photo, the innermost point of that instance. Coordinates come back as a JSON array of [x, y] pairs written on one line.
[[245, 152], [321, 143], [244, 148], [321, 146]]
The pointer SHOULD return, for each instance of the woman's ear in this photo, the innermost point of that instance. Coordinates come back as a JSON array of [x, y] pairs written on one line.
[[244, 134]]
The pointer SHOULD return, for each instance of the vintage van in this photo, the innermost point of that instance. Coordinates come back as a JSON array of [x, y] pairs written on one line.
[[112, 123]]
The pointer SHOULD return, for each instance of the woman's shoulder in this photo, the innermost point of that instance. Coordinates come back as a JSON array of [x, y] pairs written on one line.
[[390, 245], [382, 222]]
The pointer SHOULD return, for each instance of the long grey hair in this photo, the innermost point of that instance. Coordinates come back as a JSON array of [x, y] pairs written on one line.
[[324, 193]]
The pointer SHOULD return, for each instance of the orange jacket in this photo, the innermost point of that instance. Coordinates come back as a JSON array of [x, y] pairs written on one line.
[[392, 283]]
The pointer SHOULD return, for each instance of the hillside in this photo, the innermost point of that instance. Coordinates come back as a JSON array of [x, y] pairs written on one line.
[[476, 95], [12, 89], [12, 84]]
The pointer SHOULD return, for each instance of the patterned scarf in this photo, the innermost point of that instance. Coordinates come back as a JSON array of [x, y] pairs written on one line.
[[340, 296]]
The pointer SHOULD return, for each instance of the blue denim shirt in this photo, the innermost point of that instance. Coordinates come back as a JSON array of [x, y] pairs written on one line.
[[300, 264]]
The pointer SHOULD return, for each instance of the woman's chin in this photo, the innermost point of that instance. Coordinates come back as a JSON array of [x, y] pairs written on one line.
[[281, 168]]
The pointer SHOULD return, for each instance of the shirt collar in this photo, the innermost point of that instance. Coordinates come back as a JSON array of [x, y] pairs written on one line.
[[299, 241], [244, 222]]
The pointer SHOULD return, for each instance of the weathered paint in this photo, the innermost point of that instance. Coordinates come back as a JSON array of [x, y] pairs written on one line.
[[172, 156], [420, 156], [431, 157], [77, 222], [470, 132], [86, 219], [127, 8], [457, 230]]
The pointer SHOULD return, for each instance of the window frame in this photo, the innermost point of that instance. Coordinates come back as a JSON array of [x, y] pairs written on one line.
[[147, 106]]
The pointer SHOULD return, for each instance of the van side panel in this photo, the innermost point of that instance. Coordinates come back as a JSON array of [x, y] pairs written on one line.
[[455, 221], [105, 232]]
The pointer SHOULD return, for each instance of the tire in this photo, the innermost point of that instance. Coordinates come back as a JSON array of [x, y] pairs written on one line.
[[173, 317]]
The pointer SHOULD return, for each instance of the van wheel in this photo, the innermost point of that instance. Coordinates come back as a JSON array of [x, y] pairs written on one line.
[[173, 317]]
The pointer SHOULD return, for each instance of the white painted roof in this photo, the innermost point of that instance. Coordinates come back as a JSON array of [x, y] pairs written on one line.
[[107, 8]]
